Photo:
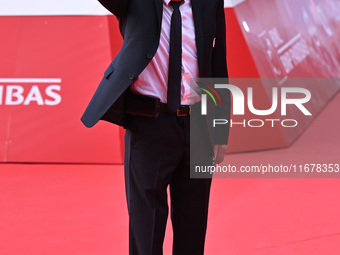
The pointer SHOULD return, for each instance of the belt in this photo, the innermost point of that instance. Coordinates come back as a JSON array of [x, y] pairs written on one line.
[[150, 107], [183, 110]]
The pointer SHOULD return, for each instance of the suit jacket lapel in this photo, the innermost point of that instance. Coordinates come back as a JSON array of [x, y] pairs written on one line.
[[159, 10]]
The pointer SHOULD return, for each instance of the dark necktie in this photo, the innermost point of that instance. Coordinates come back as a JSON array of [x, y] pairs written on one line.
[[175, 58]]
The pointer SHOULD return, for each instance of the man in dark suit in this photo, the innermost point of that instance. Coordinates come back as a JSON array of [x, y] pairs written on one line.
[[146, 90]]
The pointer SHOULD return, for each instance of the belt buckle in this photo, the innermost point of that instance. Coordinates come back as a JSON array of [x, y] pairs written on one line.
[[183, 114]]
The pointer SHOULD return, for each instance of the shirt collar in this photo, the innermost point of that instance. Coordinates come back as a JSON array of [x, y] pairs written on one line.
[[168, 1]]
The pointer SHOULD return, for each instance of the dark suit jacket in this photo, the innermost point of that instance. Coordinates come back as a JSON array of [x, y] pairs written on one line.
[[140, 26]]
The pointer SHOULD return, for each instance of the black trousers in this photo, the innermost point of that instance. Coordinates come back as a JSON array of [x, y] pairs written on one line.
[[157, 154]]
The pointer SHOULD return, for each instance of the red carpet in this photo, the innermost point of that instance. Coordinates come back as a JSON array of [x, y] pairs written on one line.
[[81, 210]]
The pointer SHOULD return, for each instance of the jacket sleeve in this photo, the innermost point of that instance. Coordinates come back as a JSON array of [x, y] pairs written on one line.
[[220, 70], [116, 7]]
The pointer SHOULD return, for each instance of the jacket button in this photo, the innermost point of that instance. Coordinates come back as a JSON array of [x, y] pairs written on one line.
[[149, 56], [131, 77]]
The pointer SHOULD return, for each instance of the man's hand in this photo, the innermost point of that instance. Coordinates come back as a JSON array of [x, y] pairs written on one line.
[[219, 152]]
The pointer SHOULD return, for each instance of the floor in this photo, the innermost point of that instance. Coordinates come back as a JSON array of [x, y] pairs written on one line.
[[81, 210]]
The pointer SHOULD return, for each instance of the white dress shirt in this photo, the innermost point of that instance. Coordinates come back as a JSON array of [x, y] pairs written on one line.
[[153, 81]]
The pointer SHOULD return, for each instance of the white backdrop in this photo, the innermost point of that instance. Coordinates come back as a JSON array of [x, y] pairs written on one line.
[[62, 7], [51, 7]]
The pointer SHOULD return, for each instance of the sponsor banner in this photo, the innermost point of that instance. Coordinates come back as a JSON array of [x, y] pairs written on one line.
[[292, 38], [281, 40], [51, 64], [49, 69]]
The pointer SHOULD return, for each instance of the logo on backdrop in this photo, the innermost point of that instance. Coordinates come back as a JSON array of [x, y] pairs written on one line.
[[30, 91]]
